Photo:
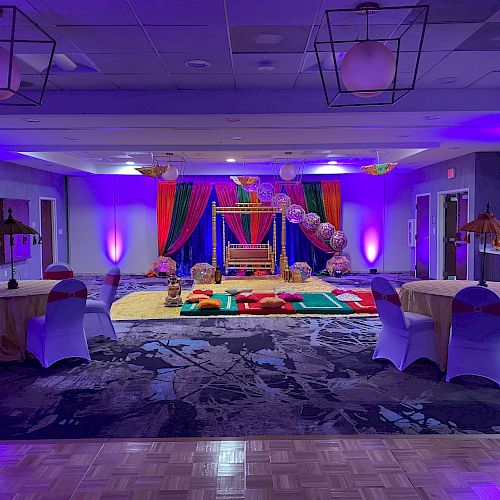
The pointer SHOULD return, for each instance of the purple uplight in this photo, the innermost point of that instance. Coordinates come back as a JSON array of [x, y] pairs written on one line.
[[371, 245], [114, 246]]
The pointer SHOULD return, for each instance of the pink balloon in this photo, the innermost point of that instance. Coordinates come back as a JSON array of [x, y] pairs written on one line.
[[15, 80], [368, 65]]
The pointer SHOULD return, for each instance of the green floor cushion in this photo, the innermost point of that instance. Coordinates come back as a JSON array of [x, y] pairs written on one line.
[[228, 307], [321, 303]]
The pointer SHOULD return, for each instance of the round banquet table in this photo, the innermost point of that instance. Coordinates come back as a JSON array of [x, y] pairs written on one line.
[[433, 298], [16, 308]]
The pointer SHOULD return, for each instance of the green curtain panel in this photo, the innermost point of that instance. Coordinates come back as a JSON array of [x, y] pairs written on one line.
[[314, 199], [181, 204], [244, 197]]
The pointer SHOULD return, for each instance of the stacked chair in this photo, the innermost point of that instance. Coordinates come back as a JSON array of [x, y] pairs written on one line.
[[405, 336], [97, 319], [59, 334]]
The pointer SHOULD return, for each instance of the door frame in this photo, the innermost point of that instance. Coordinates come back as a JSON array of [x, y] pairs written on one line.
[[430, 233], [54, 228], [440, 229]]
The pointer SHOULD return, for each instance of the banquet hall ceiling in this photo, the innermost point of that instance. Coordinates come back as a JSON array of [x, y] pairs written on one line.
[[260, 94]]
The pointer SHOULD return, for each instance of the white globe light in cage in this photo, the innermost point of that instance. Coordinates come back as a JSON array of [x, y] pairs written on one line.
[[15, 79], [288, 172], [368, 65], [170, 174]]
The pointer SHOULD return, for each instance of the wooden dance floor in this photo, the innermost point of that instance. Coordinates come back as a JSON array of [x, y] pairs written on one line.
[[289, 468]]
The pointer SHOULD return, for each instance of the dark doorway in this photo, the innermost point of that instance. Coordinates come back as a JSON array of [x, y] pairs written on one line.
[[422, 248], [47, 232], [456, 206]]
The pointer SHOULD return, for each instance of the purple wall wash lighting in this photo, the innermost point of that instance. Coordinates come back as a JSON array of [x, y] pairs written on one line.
[[371, 245], [360, 51]]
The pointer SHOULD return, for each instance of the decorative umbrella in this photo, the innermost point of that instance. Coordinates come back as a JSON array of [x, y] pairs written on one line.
[[484, 224], [10, 226]]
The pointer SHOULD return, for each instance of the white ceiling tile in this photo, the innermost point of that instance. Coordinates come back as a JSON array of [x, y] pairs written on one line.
[[466, 67], [144, 82], [207, 82], [82, 81], [282, 63], [489, 81], [220, 62], [130, 64], [180, 12], [206, 39], [265, 81], [105, 39], [87, 12], [275, 12]]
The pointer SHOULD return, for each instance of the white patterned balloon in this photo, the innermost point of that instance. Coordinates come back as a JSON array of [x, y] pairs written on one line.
[[295, 214], [311, 221], [170, 174], [288, 172], [325, 231], [265, 191]]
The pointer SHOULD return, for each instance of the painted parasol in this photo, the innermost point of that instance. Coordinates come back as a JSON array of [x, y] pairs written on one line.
[[10, 227], [484, 224]]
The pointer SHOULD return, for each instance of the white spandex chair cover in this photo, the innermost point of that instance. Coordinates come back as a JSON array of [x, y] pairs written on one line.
[[59, 333], [58, 271], [474, 347], [97, 319], [405, 336]]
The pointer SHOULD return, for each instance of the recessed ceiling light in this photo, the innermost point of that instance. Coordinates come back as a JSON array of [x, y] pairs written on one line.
[[432, 117], [266, 67], [446, 80], [237, 138], [268, 39], [197, 64], [332, 162], [32, 120], [230, 160], [130, 163], [232, 119], [70, 138]]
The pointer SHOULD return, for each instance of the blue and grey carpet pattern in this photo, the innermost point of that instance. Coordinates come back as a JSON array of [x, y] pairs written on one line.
[[239, 377]]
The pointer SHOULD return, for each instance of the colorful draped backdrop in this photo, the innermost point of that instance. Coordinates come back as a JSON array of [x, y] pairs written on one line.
[[181, 206]]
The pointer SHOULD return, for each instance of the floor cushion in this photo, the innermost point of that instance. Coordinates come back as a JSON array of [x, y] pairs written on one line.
[[321, 303], [228, 307]]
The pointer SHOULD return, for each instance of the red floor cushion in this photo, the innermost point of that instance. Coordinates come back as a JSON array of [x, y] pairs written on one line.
[[256, 308]]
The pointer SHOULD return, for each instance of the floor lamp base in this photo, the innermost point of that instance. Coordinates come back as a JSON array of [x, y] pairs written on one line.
[[12, 284]]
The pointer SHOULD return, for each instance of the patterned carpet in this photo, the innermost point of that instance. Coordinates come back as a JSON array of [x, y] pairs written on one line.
[[239, 377]]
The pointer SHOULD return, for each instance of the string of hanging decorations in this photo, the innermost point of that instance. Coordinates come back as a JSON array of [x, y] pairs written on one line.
[[165, 167], [379, 168]]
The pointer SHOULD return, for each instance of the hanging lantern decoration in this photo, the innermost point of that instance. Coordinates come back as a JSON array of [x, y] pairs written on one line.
[[311, 221], [360, 53], [295, 214], [378, 168], [368, 65], [338, 241], [164, 167], [325, 231], [171, 173], [288, 172], [23, 41], [265, 192], [246, 181], [281, 200]]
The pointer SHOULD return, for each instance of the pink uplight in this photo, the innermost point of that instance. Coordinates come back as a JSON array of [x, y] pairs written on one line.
[[371, 245], [114, 246]]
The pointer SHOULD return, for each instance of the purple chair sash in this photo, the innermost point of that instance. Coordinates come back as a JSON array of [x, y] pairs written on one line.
[[393, 298], [55, 296], [461, 307], [112, 279]]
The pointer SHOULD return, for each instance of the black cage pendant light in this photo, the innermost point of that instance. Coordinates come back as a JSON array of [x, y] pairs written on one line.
[[370, 55], [26, 53]]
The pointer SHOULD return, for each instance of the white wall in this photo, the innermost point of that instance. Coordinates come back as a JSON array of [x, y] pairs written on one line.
[[112, 213]]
